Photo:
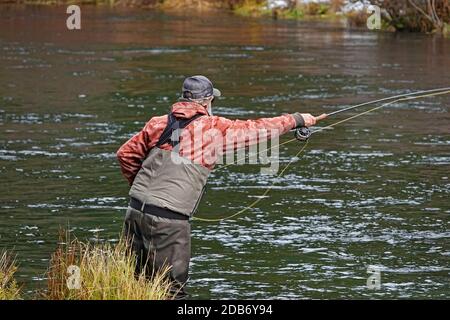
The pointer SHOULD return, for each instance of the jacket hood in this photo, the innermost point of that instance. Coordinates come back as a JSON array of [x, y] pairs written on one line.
[[187, 110]]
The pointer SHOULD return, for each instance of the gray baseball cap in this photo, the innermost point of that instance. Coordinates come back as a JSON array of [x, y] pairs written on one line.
[[198, 87]]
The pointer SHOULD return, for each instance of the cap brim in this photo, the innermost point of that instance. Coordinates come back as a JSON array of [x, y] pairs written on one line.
[[216, 92]]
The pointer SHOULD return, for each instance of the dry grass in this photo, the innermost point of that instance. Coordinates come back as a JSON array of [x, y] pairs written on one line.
[[106, 272], [357, 19], [9, 289], [295, 10]]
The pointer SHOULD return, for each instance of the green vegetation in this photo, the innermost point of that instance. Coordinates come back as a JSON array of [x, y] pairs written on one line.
[[250, 8], [294, 11], [105, 272], [9, 289]]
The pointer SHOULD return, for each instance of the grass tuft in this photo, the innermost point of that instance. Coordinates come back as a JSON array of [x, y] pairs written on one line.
[[9, 289], [105, 272]]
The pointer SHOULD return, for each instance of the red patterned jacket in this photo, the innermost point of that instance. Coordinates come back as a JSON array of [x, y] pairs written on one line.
[[134, 151]]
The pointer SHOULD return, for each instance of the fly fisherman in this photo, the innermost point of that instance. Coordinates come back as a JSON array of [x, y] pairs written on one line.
[[167, 175]]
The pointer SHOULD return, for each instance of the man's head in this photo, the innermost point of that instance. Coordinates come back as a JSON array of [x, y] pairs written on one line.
[[200, 89]]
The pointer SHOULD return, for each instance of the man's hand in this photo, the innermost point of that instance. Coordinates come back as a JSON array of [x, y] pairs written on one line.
[[310, 120]]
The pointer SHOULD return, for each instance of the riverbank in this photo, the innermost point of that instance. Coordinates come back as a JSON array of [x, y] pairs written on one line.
[[242, 8], [394, 16]]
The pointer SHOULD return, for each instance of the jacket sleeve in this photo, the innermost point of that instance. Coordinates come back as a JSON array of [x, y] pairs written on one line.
[[133, 152], [247, 132]]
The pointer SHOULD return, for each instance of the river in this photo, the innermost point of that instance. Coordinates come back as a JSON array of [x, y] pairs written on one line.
[[374, 191]]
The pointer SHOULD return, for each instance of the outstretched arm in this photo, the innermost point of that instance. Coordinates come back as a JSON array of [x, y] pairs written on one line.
[[249, 132]]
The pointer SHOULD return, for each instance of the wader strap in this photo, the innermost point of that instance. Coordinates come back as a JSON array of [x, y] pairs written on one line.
[[171, 133]]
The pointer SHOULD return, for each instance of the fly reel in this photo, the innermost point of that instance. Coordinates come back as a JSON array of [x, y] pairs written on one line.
[[302, 133]]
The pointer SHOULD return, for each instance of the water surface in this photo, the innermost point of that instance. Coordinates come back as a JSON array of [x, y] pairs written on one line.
[[372, 192]]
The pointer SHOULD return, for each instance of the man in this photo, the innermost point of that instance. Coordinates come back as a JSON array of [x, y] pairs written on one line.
[[167, 173]]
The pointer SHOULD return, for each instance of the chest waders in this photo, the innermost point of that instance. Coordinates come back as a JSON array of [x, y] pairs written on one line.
[[160, 237]]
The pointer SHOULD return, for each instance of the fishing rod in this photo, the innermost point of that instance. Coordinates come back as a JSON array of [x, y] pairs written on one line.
[[303, 133], [388, 98], [393, 100]]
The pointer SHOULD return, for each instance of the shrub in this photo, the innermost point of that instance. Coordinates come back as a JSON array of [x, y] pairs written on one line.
[[416, 15]]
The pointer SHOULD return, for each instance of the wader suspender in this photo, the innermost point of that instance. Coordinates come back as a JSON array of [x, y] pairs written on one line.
[[171, 134]]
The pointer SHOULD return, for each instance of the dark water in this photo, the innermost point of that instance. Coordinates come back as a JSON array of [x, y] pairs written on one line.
[[372, 192]]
